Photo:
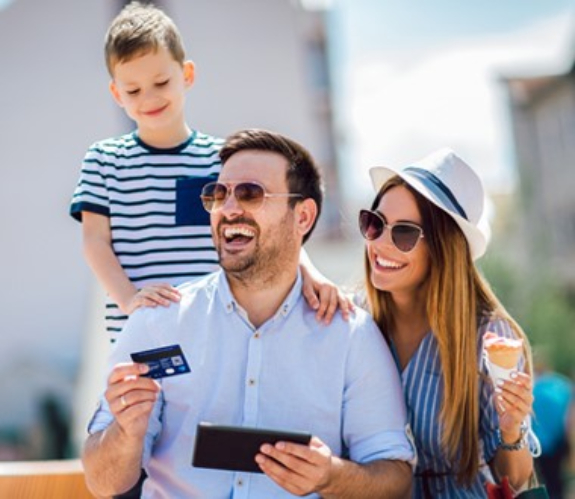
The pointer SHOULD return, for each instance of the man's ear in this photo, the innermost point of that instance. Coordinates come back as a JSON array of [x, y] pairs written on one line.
[[189, 73], [306, 213], [115, 93]]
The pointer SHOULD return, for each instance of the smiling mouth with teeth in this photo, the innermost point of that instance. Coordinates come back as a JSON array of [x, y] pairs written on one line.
[[388, 264], [237, 233]]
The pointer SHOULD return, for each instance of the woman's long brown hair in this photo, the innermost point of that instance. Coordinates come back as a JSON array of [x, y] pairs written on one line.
[[457, 297]]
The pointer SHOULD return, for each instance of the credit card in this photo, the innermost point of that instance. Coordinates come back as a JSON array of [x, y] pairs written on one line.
[[163, 361]]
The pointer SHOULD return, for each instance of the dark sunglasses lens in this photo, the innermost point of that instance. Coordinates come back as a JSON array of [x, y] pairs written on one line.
[[370, 225], [249, 195], [405, 237], [213, 195]]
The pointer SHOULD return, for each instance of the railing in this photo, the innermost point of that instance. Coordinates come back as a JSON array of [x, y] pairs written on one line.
[[43, 480]]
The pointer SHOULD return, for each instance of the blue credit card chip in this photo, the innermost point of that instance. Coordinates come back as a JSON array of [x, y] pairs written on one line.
[[163, 362]]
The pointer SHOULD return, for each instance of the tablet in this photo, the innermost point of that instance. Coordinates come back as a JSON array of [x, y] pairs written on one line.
[[235, 447]]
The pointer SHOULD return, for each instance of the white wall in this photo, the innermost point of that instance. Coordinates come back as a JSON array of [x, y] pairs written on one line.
[[53, 104], [251, 66], [251, 72]]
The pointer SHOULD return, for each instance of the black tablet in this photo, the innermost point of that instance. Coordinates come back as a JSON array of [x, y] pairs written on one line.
[[235, 447]]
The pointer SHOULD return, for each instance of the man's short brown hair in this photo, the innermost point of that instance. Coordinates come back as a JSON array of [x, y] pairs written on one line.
[[302, 175]]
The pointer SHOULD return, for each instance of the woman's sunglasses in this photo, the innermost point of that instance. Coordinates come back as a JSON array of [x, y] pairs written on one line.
[[404, 235], [249, 195]]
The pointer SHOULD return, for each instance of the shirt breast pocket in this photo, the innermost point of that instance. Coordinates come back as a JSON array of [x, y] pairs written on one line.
[[189, 208]]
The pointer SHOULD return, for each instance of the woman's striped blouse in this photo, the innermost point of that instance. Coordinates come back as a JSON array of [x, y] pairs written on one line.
[[423, 389]]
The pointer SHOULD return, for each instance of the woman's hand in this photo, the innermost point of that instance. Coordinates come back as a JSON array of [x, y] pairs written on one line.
[[514, 402], [324, 296]]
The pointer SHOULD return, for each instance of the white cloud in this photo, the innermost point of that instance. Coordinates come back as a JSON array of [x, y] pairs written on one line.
[[406, 104]]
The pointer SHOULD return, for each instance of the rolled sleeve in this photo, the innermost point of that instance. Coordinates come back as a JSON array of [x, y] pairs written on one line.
[[390, 445], [134, 338], [101, 419], [489, 433], [375, 419], [533, 442]]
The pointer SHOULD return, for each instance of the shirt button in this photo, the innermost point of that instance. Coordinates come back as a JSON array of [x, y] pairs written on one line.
[[251, 382], [257, 335], [240, 482]]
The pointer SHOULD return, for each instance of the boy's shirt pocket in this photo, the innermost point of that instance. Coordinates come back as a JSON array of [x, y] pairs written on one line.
[[189, 208]]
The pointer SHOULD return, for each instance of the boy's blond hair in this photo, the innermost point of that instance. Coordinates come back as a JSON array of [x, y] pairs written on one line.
[[138, 29]]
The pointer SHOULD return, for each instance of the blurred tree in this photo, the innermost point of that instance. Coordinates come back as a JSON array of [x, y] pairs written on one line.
[[544, 310]]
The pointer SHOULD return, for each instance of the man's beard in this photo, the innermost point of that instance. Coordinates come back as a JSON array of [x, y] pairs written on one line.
[[266, 262]]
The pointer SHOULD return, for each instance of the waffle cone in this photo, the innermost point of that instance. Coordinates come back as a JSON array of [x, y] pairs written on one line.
[[503, 352]]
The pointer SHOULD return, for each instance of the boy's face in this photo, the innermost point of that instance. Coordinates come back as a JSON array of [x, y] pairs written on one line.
[[151, 88]]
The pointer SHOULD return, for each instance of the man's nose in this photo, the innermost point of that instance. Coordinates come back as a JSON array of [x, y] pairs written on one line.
[[231, 205]]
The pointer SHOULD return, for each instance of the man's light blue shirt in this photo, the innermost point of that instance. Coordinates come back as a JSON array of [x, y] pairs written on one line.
[[338, 382]]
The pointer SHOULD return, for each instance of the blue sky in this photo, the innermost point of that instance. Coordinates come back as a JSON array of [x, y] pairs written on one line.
[[413, 76], [381, 23]]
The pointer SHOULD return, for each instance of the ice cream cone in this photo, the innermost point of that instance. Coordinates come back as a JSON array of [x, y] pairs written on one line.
[[502, 355]]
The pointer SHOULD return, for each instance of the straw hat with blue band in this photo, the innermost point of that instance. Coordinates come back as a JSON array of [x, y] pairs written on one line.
[[450, 184]]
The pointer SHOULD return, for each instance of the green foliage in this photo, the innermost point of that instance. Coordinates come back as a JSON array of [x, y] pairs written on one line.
[[544, 310], [550, 323]]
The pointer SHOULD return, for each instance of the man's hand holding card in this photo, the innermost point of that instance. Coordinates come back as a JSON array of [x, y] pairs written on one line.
[[163, 362], [133, 387]]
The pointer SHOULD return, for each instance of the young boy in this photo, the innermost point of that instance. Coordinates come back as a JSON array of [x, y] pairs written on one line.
[[138, 197]]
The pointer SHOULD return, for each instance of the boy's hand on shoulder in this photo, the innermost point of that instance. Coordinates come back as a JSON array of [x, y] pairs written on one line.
[[324, 296], [152, 296]]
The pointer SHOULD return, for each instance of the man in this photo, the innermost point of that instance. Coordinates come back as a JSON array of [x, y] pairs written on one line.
[[258, 358]]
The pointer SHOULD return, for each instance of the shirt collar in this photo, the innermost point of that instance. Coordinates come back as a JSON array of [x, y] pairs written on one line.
[[230, 304]]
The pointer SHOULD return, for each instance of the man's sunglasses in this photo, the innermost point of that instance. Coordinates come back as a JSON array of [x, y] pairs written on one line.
[[404, 235], [249, 195]]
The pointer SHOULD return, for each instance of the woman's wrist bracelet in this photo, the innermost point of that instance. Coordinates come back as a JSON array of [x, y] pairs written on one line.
[[521, 442]]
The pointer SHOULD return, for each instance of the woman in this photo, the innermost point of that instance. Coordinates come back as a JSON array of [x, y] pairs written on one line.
[[423, 234]]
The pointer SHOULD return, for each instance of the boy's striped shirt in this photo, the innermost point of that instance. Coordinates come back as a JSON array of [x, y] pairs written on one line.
[[160, 232]]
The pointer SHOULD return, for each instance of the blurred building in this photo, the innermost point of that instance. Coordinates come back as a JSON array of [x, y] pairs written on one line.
[[543, 123], [259, 63]]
